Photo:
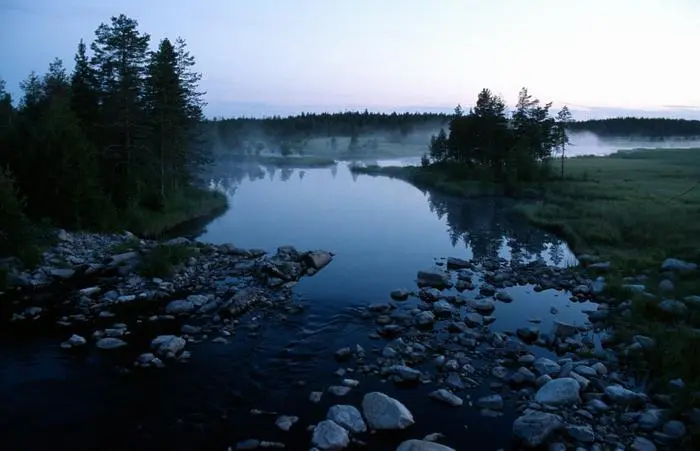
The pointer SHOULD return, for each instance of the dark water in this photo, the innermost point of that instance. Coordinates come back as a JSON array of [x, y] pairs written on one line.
[[382, 232]]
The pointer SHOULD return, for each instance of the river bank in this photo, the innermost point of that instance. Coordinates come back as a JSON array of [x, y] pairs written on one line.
[[632, 211], [566, 386]]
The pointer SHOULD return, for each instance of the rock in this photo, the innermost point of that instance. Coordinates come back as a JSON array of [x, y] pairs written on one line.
[[443, 308], [400, 295], [343, 353], [124, 258], [674, 429], [90, 291], [168, 345], [600, 368], [528, 334], [526, 359], [61, 273], [425, 319], [434, 279], [484, 306], [601, 266], [650, 419], [317, 259], [666, 285], [384, 412], [285, 422], [559, 392], [348, 417], [338, 390], [642, 444], [563, 330], [673, 307], [493, 402], [503, 296], [473, 319], [248, 444], [422, 445], [620, 395], [674, 264], [110, 343], [75, 341], [328, 435], [315, 396], [544, 365], [586, 371], [190, 330], [583, 434], [534, 428], [454, 381], [405, 372], [447, 397], [179, 307], [457, 263]]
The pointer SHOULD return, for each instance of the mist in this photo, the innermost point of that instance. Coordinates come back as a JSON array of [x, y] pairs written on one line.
[[588, 143]]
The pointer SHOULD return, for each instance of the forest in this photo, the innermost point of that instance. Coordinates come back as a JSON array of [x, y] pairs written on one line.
[[488, 143], [107, 146], [638, 127], [289, 135]]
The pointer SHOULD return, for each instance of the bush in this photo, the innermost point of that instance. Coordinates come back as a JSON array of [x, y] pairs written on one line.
[[162, 259], [16, 232]]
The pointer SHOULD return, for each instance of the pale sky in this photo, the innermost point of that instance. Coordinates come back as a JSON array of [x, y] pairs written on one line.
[[271, 56]]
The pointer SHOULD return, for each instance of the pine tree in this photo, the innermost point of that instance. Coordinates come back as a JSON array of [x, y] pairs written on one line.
[[167, 106], [119, 60], [561, 138], [84, 95]]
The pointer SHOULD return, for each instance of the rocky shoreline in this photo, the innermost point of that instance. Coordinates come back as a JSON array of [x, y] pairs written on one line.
[[577, 397]]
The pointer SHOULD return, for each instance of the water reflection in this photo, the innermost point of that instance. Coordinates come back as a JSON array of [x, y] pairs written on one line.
[[489, 230]]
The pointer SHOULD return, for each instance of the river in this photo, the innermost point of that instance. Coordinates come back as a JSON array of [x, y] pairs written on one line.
[[382, 232]]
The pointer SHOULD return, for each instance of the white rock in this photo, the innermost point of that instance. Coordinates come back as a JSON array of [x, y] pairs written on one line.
[[559, 392], [285, 422], [384, 412], [422, 445], [328, 435], [110, 343], [447, 397], [348, 417], [168, 345]]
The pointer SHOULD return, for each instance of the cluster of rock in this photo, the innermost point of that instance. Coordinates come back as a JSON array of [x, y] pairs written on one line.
[[225, 282], [575, 399], [344, 424]]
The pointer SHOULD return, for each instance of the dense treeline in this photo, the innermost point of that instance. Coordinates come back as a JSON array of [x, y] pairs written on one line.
[[647, 128], [509, 149], [276, 134], [116, 137]]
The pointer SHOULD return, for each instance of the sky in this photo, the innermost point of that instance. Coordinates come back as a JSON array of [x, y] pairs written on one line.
[[262, 57]]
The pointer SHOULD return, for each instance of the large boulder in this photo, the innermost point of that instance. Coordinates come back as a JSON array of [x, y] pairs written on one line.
[[559, 392], [422, 445], [348, 417], [168, 345], [328, 435], [534, 428], [434, 279], [317, 259], [384, 412]]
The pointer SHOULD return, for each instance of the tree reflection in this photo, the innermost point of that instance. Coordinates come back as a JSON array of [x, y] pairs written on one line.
[[487, 227], [286, 174]]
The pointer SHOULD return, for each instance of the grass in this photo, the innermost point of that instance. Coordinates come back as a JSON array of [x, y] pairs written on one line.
[[128, 245], [632, 208], [191, 204], [162, 260]]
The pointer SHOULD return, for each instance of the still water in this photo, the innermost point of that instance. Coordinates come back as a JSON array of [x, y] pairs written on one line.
[[382, 231]]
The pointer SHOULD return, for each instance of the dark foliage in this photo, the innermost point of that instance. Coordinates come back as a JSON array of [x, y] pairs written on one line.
[[647, 128], [117, 137]]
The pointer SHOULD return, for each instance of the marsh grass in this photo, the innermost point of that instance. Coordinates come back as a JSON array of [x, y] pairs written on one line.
[[187, 205], [162, 260]]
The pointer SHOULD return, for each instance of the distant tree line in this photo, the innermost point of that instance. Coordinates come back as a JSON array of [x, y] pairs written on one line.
[[118, 134], [647, 128], [251, 135], [509, 148]]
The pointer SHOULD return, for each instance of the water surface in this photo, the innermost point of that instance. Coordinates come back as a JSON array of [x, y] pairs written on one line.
[[382, 231]]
